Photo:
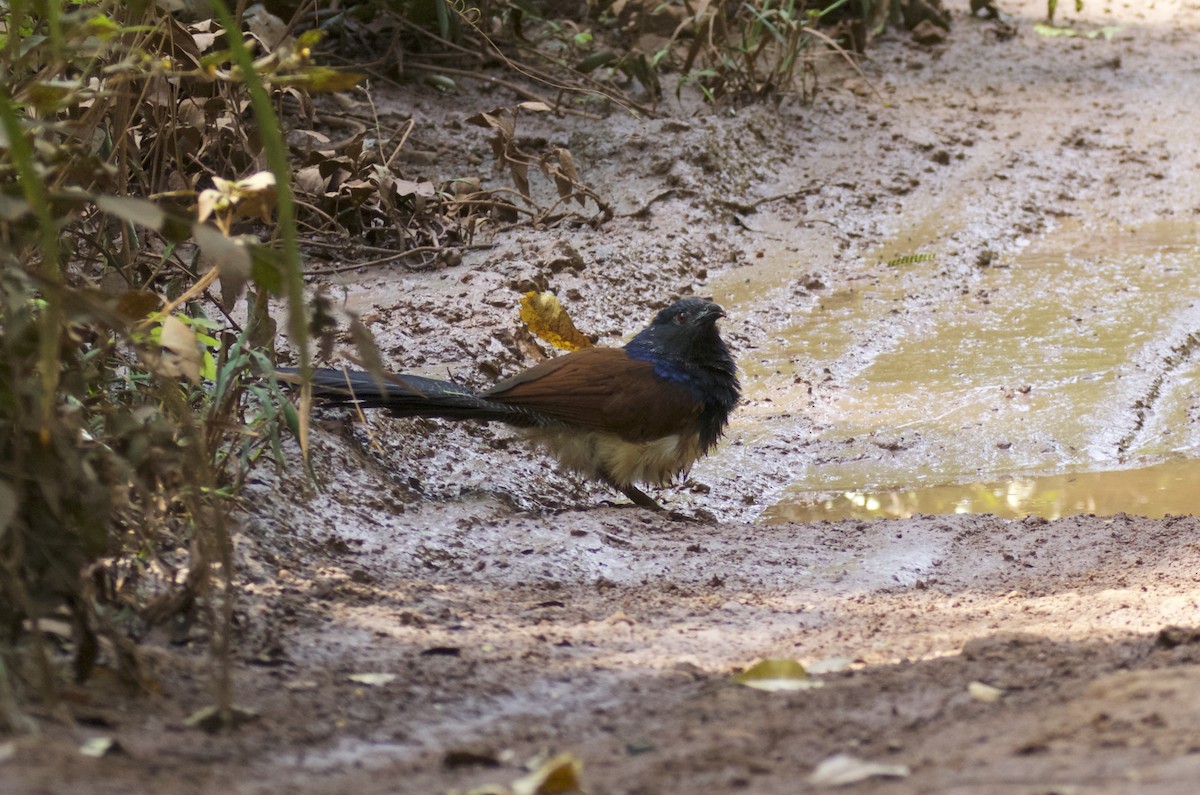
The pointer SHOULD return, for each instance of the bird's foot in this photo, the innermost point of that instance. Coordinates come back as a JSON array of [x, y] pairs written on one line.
[[640, 498]]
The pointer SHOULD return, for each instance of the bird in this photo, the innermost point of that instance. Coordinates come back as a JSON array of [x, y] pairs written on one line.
[[642, 413]]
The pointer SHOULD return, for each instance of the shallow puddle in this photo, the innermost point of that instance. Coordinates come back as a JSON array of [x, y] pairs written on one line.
[[1074, 356], [1164, 489]]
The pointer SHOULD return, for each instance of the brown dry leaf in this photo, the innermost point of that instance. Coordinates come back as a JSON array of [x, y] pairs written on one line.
[[358, 190], [566, 176], [520, 175], [504, 121], [309, 181], [504, 117], [184, 43], [545, 316], [134, 305], [252, 197], [405, 188], [266, 27], [501, 119]]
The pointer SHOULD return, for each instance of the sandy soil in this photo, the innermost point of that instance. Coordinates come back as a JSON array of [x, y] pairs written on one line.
[[523, 613]]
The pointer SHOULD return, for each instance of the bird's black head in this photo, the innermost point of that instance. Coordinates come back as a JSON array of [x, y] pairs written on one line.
[[684, 346], [686, 312], [684, 330]]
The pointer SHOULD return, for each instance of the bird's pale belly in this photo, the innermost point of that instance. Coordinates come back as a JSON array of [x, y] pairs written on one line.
[[609, 457]]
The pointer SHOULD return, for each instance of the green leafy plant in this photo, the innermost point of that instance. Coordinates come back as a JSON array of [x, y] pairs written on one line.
[[129, 415], [744, 50]]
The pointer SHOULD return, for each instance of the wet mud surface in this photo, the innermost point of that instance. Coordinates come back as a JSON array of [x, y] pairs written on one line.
[[522, 613]]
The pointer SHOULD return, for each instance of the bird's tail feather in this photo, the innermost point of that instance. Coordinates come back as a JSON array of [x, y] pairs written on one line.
[[404, 395]]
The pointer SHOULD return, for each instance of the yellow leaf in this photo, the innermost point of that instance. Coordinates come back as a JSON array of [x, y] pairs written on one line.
[[775, 675], [320, 79], [558, 775], [546, 318]]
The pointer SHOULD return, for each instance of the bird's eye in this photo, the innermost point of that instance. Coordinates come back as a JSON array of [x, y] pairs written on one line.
[[681, 318]]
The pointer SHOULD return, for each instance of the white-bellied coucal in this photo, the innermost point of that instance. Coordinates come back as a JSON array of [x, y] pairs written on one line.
[[643, 413]]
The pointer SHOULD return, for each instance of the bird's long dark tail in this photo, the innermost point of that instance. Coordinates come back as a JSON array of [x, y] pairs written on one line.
[[405, 395]]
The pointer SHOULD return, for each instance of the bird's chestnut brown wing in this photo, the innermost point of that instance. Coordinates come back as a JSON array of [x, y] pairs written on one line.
[[602, 389]]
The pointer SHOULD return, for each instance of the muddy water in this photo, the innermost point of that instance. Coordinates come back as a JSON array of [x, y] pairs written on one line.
[[1158, 490], [1045, 387]]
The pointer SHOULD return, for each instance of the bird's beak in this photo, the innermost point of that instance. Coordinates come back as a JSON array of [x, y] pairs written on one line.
[[713, 313]]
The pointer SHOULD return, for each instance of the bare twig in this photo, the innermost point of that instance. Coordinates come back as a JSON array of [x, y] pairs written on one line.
[[518, 90]]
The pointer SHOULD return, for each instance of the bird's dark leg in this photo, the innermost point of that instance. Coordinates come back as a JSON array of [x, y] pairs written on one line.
[[639, 497]]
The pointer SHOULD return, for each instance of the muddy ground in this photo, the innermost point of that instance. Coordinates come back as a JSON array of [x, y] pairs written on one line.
[[523, 613]]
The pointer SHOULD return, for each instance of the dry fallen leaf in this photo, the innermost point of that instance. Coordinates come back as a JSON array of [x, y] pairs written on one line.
[[546, 318], [560, 165], [504, 121], [558, 775], [296, 685], [178, 353], [252, 197], [985, 693], [777, 675], [841, 769], [135, 305], [97, 747], [210, 720], [372, 679]]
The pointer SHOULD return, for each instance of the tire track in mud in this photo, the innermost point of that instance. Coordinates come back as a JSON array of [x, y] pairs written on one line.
[[1163, 380]]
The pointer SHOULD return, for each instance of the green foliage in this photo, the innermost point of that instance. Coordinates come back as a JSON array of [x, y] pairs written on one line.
[[128, 414], [910, 259], [1052, 31], [735, 50]]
